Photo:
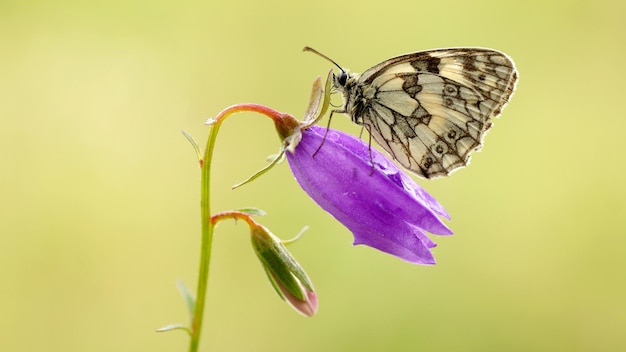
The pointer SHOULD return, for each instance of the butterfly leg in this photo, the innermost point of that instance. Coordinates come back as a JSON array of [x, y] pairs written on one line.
[[327, 128], [369, 146]]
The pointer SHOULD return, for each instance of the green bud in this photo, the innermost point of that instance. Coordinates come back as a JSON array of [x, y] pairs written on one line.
[[285, 274]]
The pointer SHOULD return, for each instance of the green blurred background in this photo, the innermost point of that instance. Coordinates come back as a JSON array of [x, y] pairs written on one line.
[[99, 209]]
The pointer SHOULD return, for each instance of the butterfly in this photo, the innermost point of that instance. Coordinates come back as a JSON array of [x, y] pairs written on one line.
[[429, 109]]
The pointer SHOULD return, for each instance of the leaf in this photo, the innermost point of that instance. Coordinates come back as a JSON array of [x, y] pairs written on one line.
[[252, 211], [190, 300], [194, 145], [171, 327], [276, 160], [296, 237], [320, 100]]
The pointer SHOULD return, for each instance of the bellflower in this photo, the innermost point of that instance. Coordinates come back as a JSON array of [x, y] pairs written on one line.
[[359, 186]]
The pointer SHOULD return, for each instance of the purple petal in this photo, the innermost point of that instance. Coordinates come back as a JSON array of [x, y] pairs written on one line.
[[411, 245], [306, 307], [406, 186], [383, 207]]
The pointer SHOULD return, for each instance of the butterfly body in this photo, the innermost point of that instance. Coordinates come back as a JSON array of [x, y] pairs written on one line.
[[430, 110]]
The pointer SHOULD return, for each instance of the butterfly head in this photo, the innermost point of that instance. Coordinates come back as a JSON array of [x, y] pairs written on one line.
[[340, 80], [344, 81]]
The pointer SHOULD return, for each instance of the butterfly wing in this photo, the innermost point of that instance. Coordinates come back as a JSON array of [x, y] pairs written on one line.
[[431, 109]]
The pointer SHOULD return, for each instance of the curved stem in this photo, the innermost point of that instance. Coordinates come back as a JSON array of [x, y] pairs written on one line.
[[205, 211], [233, 214]]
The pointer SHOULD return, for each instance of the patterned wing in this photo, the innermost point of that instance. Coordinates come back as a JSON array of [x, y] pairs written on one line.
[[430, 110]]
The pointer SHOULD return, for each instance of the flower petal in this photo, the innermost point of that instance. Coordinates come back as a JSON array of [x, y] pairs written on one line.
[[391, 173], [411, 245], [369, 194]]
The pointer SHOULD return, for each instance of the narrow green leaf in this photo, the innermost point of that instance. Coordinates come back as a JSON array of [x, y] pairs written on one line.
[[252, 211], [190, 300], [194, 145], [276, 160], [296, 237], [311, 113], [171, 327], [326, 96], [320, 101]]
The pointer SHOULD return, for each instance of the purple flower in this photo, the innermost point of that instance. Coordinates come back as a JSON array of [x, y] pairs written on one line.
[[382, 206]]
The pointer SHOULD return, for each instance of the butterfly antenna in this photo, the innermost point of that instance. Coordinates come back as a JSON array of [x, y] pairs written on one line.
[[307, 48]]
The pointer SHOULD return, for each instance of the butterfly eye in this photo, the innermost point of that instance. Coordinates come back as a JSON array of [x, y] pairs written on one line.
[[343, 77]]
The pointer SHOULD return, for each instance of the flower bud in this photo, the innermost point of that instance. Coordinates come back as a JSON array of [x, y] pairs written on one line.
[[284, 272]]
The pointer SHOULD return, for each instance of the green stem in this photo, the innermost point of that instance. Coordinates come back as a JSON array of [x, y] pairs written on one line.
[[207, 225], [207, 240]]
